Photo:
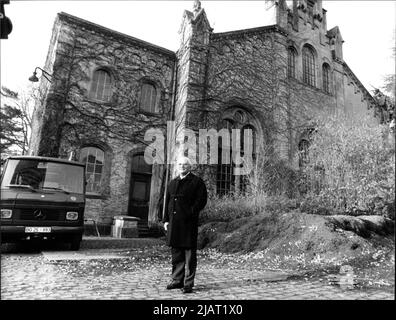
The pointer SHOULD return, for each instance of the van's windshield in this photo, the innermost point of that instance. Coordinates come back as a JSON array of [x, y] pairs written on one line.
[[43, 175]]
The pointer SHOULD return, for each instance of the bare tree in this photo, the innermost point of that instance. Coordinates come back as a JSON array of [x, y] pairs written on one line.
[[16, 119]]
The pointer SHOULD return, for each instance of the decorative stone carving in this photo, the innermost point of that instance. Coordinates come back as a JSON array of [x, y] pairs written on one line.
[[152, 63], [197, 6], [302, 5]]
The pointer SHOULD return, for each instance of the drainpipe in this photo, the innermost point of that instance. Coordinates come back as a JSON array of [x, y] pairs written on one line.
[[172, 115]]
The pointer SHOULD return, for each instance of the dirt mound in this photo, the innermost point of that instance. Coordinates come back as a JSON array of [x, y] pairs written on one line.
[[295, 236]]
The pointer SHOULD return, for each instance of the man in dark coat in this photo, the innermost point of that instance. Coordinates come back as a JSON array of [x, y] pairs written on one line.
[[186, 196]]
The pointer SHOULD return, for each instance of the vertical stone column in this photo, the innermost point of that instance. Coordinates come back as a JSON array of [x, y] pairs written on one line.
[[192, 64], [281, 13], [44, 140]]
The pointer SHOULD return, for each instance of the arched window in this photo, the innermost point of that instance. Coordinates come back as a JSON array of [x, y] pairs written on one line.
[[308, 66], [101, 85], [251, 140], [303, 148], [326, 77], [291, 62], [239, 117], [225, 179], [94, 161], [228, 179], [148, 98]]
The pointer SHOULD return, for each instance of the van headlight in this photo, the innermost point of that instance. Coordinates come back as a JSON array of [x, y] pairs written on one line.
[[6, 213], [71, 215]]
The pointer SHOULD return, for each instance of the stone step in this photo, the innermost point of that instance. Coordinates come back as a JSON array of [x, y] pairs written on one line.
[[145, 231]]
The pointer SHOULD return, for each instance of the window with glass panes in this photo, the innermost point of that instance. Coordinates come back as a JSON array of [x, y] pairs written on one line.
[[326, 77], [148, 98], [291, 63], [226, 180], [310, 6], [251, 140], [101, 85], [94, 162], [308, 66], [303, 147]]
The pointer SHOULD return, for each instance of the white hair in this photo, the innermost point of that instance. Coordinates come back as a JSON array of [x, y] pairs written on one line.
[[184, 159]]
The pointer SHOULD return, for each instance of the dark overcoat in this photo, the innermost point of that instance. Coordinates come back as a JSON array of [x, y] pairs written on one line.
[[185, 198]]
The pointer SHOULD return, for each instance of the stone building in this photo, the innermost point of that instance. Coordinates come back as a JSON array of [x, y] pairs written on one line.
[[109, 88]]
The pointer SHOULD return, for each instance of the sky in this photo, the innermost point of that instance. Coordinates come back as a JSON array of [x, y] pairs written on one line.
[[367, 27]]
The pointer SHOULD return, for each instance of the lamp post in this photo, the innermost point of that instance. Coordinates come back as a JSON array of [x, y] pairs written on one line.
[[44, 73], [51, 103]]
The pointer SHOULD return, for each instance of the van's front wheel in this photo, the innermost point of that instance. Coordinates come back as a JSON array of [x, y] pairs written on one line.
[[75, 243]]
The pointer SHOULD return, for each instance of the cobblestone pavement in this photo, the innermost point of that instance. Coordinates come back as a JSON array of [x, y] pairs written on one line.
[[64, 275]]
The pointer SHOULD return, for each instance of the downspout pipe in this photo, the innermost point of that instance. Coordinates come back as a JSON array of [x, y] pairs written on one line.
[[172, 116]]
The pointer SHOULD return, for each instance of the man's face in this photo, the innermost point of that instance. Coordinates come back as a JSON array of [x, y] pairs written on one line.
[[184, 166]]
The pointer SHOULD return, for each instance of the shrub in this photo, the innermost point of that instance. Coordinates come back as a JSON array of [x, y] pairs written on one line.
[[228, 208], [271, 175], [233, 207], [351, 166]]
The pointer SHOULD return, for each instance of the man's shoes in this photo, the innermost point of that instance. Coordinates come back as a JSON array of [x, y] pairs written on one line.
[[187, 290], [174, 285]]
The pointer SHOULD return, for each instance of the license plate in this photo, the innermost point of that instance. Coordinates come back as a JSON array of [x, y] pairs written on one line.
[[37, 229]]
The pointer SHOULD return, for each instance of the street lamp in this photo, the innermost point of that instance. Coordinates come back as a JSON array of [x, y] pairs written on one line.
[[44, 73]]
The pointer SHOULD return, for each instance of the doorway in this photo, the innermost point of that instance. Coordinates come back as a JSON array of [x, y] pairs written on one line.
[[139, 190]]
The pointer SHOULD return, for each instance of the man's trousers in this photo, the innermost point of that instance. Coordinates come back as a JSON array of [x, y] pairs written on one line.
[[184, 265]]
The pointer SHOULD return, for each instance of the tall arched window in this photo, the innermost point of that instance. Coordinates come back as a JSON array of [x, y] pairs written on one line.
[[291, 62], [251, 140], [148, 98], [225, 179], [308, 66], [326, 77], [229, 180], [303, 148], [101, 85], [94, 161]]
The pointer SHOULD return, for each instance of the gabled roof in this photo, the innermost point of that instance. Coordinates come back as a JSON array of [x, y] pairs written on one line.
[[113, 34], [335, 32], [189, 14], [194, 18], [236, 33], [366, 93]]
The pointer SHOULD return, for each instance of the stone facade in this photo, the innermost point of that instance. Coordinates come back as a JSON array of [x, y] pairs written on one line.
[[240, 76]]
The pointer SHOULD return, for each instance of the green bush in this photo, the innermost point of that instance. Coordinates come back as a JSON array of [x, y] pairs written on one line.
[[351, 167]]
